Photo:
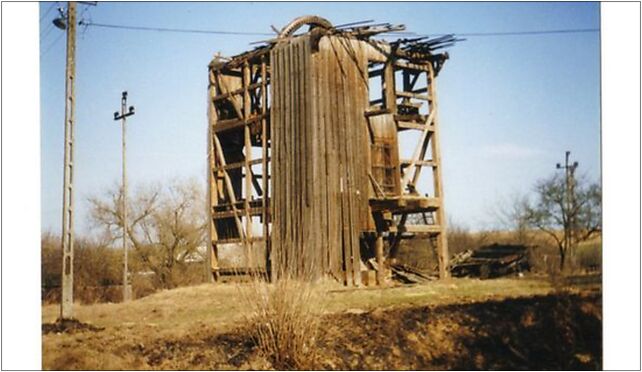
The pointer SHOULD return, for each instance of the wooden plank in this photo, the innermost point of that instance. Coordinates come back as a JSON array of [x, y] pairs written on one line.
[[412, 125], [247, 108], [212, 195], [235, 92], [410, 94], [231, 124], [354, 155], [237, 240], [264, 167], [417, 153], [275, 120], [423, 163], [390, 100], [228, 184], [239, 164], [224, 87], [379, 257], [234, 213], [422, 229], [411, 66]]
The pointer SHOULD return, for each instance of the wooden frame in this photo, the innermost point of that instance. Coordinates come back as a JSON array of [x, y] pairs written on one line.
[[321, 127]]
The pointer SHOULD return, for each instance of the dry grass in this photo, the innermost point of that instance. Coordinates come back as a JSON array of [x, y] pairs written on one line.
[[284, 321], [185, 328]]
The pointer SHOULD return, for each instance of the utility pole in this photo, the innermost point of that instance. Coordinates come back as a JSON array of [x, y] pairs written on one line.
[[127, 292], [66, 306], [569, 201], [67, 21]]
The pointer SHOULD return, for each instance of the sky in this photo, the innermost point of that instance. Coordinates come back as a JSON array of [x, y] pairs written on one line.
[[509, 106]]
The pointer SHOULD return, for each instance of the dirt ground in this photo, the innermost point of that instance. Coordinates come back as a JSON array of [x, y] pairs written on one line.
[[516, 323]]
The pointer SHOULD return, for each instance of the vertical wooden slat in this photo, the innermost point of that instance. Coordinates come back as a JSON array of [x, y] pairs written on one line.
[[247, 107], [212, 194], [264, 166]]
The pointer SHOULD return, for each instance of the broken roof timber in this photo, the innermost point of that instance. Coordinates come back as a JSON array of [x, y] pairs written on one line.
[[417, 51]]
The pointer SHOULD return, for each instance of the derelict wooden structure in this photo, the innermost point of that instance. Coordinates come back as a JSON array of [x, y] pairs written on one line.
[[309, 172]]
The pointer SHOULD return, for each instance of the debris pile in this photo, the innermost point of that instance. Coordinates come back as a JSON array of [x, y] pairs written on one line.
[[491, 261]]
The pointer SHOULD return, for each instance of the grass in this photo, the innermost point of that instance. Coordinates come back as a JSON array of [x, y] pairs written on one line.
[[284, 320], [134, 331]]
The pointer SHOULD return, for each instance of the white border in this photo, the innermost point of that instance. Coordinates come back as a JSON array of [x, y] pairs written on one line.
[[621, 183], [21, 314], [21, 342]]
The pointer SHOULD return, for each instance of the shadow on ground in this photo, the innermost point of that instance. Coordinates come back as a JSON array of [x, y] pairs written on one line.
[[558, 331]]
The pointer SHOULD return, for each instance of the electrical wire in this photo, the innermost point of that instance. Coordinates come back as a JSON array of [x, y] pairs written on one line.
[[520, 33], [178, 30], [467, 34], [46, 31], [53, 43], [53, 5]]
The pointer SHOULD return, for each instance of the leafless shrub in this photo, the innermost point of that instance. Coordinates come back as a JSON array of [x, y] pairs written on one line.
[[284, 321], [284, 316]]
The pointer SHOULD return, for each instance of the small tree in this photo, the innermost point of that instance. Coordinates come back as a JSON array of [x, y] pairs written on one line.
[[166, 226], [568, 219]]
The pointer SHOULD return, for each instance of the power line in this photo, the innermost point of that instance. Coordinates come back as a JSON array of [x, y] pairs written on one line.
[[521, 33], [46, 31], [53, 5], [467, 34], [53, 43], [180, 30]]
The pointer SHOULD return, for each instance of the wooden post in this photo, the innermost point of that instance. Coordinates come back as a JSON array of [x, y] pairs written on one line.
[[211, 264], [379, 254], [247, 108], [264, 166], [442, 241]]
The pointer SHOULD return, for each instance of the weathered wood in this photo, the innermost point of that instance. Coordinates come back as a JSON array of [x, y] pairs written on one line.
[[231, 124], [380, 259], [329, 156], [442, 242]]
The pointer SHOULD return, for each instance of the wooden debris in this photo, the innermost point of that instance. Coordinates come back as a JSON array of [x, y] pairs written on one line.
[[491, 261]]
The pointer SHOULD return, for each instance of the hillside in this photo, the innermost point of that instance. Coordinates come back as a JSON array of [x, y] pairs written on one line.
[[461, 323]]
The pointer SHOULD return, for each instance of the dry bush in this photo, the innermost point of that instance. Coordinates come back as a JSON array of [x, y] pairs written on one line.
[[284, 320], [97, 270]]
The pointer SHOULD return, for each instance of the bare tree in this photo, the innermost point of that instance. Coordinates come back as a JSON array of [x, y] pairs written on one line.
[[166, 225], [551, 212]]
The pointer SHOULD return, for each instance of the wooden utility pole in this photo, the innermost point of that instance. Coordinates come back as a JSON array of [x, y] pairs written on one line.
[[66, 307], [127, 293]]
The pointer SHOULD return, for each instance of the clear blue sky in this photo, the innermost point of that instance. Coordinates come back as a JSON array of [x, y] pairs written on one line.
[[509, 106]]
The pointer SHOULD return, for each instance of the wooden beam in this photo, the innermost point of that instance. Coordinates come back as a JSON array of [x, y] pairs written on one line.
[[379, 256], [422, 229], [223, 88], [234, 213], [403, 125], [410, 94], [422, 163], [228, 184], [418, 150], [239, 164], [236, 92], [442, 241], [231, 124]]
